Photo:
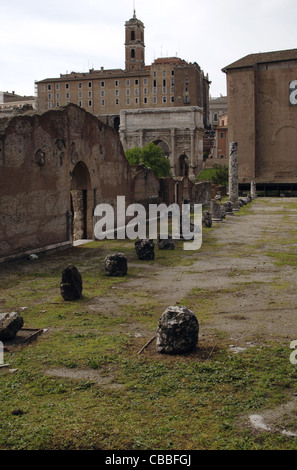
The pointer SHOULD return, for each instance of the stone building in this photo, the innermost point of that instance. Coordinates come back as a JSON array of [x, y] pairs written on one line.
[[11, 103], [168, 83], [262, 118]]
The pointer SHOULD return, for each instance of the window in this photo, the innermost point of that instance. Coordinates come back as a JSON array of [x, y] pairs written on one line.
[[50, 105], [155, 73], [49, 87], [49, 96], [80, 85], [145, 81], [127, 82], [80, 103], [57, 86], [102, 102], [116, 83], [132, 53], [117, 92], [67, 95], [164, 73], [128, 101], [57, 104], [90, 94], [136, 91], [172, 99], [172, 72], [43, 88], [164, 99], [117, 101], [222, 135], [215, 117], [136, 82], [145, 100], [155, 99], [136, 100], [57, 96], [145, 91], [80, 94], [102, 93], [90, 84], [128, 91], [90, 102], [133, 35], [102, 84], [66, 86]]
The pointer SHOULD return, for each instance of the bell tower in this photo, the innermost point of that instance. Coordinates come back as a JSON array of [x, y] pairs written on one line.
[[134, 45]]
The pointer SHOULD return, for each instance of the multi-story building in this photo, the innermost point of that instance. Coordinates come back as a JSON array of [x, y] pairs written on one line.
[[167, 83]]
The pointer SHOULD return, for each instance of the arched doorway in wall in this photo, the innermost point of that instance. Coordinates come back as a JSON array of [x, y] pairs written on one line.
[[116, 123], [183, 166], [81, 203], [164, 146]]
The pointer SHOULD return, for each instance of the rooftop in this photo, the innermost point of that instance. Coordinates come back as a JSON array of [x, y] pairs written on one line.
[[262, 57]]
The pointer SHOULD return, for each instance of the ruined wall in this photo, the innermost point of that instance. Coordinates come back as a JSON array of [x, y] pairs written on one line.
[[41, 161], [55, 168]]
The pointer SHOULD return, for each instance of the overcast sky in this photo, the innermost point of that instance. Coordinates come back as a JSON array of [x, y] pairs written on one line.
[[41, 39]]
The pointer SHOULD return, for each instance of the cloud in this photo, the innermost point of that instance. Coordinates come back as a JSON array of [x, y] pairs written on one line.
[[43, 39]]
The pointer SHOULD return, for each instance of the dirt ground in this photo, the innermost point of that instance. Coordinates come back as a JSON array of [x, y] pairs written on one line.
[[251, 299]]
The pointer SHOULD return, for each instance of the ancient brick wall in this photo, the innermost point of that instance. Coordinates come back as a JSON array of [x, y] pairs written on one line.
[[44, 157]]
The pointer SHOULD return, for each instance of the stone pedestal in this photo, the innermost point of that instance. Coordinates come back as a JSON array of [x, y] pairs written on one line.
[[215, 210]]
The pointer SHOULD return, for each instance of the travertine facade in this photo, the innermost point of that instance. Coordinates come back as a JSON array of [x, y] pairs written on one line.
[[179, 132], [262, 116]]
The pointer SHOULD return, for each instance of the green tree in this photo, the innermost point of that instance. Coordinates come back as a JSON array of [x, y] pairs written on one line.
[[152, 156]]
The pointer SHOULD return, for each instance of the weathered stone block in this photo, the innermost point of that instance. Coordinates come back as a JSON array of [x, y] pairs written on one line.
[[71, 283], [206, 219], [177, 331], [166, 243], [116, 264], [145, 249], [10, 324]]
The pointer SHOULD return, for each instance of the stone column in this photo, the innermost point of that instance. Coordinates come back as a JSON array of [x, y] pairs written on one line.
[[253, 189], [172, 154], [192, 165], [233, 176]]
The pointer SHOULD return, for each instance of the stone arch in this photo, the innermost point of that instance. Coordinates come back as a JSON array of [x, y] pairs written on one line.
[[163, 145], [81, 202], [183, 165]]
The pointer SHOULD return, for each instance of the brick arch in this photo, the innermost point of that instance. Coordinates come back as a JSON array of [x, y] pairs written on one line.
[[81, 202]]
